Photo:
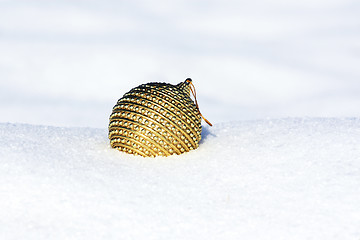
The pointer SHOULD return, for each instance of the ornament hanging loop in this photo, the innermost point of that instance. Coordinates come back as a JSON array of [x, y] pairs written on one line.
[[193, 91]]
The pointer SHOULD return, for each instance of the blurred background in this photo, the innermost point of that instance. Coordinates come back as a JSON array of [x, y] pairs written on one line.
[[66, 63]]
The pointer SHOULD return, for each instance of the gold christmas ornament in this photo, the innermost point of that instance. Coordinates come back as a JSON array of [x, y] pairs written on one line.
[[156, 119]]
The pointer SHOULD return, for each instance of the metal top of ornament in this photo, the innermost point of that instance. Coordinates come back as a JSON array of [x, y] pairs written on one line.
[[156, 119]]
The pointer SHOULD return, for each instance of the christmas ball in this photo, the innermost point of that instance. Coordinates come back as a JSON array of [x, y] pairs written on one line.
[[156, 119]]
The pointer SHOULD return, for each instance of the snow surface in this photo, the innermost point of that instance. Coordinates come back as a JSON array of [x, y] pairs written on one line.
[[269, 179], [279, 80]]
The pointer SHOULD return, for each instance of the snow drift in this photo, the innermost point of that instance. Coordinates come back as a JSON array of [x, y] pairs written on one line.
[[268, 179]]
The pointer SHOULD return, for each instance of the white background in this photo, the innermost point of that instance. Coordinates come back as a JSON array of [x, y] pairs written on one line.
[[66, 63]]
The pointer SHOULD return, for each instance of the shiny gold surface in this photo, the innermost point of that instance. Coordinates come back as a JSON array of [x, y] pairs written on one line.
[[156, 119]]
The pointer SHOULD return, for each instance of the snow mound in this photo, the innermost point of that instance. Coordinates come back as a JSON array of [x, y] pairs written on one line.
[[266, 179]]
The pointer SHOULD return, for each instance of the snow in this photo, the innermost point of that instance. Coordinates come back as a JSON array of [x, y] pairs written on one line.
[[278, 79], [268, 179]]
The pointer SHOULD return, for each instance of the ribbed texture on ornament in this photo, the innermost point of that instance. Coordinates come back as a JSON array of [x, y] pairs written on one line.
[[155, 119]]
